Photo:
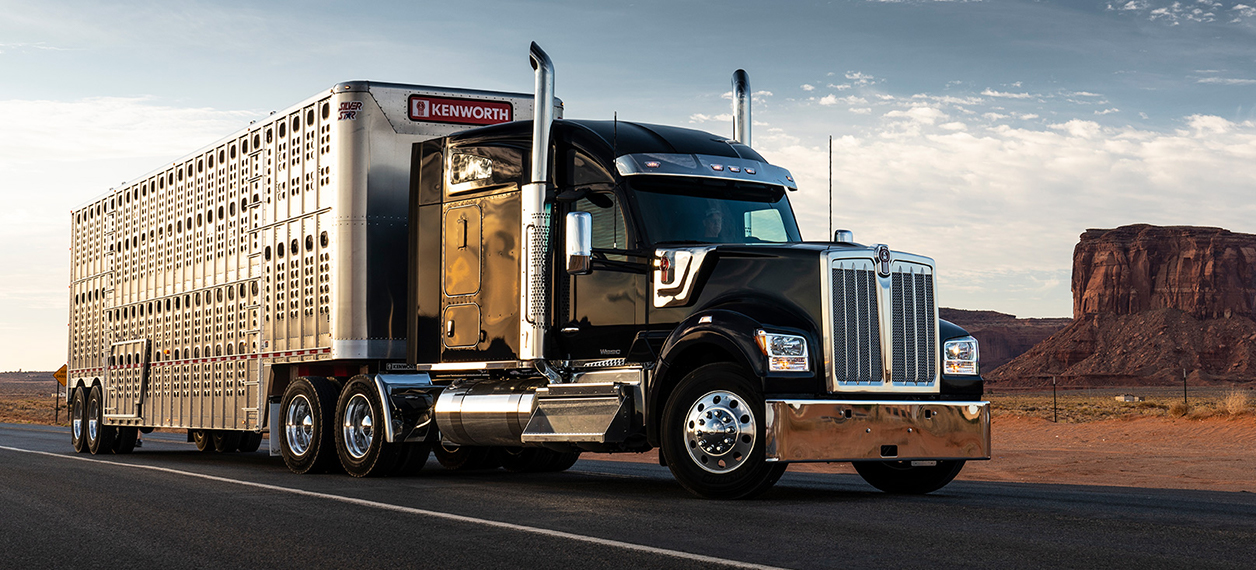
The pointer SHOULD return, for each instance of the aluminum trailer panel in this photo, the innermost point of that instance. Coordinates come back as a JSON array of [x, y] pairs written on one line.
[[282, 243]]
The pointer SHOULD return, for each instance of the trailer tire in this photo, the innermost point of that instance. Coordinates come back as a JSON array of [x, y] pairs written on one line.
[[360, 438], [225, 441], [125, 442], [901, 478], [465, 457], [699, 454], [99, 436], [202, 439], [563, 461], [78, 421], [307, 442], [250, 441]]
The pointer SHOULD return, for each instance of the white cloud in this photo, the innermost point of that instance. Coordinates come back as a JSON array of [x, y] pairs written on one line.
[[831, 99], [1227, 81], [839, 86], [1108, 111], [859, 78], [1028, 117], [704, 118], [926, 115], [1018, 197], [861, 110], [954, 126], [1004, 95], [808, 87]]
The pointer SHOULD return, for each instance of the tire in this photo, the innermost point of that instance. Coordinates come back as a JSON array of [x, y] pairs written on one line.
[[78, 421], [708, 463], [412, 458], [99, 436], [250, 441], [899, 477], [202, 440], [563, 461], [125, 442], [361, 442], [465, 457], [525, 459], [225, 441], [307, 441]]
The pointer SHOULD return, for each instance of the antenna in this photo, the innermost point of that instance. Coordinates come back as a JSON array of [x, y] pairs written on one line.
[[615, 138], [830, 184]]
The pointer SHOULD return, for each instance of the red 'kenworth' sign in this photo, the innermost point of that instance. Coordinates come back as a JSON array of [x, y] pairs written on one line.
[[459, 111]]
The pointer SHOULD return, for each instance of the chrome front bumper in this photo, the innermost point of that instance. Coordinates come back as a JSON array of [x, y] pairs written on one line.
[[861, 430]]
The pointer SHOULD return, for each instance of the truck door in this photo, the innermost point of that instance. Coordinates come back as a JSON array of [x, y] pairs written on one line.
[[604, 309]]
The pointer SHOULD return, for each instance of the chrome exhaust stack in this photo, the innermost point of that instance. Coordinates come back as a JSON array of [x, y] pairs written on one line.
[[535, 218], [741, 107]]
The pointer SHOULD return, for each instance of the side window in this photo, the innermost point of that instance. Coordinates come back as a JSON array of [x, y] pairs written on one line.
[[765, 225], [608, 220]]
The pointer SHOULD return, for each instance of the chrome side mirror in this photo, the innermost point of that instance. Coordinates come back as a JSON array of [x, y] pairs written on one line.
[[579, 243]]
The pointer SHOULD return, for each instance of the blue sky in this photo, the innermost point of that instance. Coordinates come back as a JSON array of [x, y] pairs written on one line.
[[987, 135]]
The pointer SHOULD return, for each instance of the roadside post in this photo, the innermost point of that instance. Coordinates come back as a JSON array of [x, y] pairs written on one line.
[[59, 375], [1055, 404]]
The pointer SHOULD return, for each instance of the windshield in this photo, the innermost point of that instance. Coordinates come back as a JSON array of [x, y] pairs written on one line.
[[700, 211]]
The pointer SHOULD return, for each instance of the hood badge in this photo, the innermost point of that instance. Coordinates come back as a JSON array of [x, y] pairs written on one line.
[[882, 254]]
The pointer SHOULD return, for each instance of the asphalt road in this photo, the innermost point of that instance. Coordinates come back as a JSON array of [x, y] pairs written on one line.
[[169, 506]]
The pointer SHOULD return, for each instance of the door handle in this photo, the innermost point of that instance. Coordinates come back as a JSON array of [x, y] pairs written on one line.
[[449, 328]]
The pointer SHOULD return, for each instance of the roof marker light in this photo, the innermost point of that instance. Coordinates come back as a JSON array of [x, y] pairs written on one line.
[[750, 171], [717, 167], [652, 164], [734, 168]]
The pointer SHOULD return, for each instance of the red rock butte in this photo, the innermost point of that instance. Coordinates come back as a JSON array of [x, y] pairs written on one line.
[[1205, 272], [1149, 304]]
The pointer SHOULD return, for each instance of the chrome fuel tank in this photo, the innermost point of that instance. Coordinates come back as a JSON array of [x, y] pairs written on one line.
[[486, 412]]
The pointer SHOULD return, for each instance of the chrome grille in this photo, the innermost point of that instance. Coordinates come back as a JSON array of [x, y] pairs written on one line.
[[856, 327], [914, 341]]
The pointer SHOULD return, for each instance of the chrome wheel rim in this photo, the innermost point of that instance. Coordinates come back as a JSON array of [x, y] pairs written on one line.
[[719, 432], [77, 422], [358, 426], [93, 425], [299, 425]]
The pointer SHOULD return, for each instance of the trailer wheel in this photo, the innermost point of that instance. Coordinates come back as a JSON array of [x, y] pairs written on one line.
[[125, 442], [78, 421], [465, 457], [225, 441], [202, 440], [307, 442], [99, 436], [900, 477], [713, 434], [250, 441], [563, 461], [360, 438]]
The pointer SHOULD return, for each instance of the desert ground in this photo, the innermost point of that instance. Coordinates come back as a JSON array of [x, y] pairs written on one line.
[[1086, 438]]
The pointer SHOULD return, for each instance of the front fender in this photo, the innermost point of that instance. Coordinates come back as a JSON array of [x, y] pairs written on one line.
[[717, 335]]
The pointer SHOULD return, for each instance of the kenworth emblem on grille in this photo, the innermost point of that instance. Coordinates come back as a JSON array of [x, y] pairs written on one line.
[[883, 259]]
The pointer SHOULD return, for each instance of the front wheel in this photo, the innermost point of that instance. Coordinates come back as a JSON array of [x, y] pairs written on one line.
[[904, 478], [713, 434]]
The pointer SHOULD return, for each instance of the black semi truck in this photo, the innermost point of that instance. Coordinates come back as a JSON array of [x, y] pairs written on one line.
[[524, 292]]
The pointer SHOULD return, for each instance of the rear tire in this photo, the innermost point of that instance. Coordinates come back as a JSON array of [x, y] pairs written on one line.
[[306, 414], [361, 441], [225, 441], [202, 440], [899, 477], [464, 457], [99, 436], [78, 421], [125, 443], [412, 458], [713, 434], [250, 441]]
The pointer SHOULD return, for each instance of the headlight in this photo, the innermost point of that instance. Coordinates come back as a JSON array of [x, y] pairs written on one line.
[[785, 352], [960, 356]]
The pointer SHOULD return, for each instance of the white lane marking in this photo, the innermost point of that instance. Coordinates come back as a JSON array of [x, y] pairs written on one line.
[[424, 512]]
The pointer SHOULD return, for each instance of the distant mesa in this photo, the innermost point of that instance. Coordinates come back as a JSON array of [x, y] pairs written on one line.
[[1151, 303], [1002, 337]]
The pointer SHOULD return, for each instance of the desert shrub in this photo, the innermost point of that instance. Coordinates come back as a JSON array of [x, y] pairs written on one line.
[[1178, 409], [1236, 401]]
